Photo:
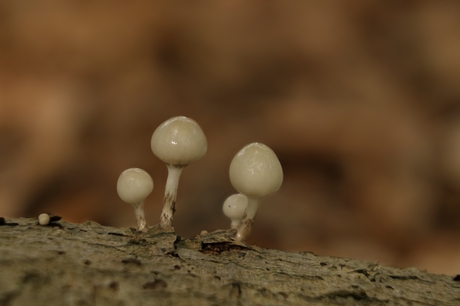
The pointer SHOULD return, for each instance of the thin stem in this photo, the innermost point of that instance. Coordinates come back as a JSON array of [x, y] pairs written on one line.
[[169, 201], [244, 229], [139, 212]]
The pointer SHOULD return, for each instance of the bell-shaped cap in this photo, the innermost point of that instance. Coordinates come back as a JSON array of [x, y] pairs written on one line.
[[235, 206], [179, 141], [134, 185], [255, 171]]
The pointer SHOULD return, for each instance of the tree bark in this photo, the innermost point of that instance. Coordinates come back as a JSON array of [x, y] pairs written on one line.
[[90, 264]]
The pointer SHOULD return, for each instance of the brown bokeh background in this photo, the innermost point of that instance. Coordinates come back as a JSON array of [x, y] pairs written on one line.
[[359, 99]]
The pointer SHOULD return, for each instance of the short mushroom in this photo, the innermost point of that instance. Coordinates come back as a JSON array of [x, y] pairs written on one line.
[[256, 172], [234, 208], [44, 219], [177, 142], [133, 187]]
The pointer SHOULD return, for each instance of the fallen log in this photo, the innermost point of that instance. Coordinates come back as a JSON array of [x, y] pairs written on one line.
[[90, 264]]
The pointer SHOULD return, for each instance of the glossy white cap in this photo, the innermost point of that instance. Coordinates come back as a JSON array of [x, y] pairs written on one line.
[[134, 185], [235, 207], [255, 171], [179, 141]]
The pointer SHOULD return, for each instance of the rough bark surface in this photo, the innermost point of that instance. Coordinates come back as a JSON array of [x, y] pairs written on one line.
[[90, 264]]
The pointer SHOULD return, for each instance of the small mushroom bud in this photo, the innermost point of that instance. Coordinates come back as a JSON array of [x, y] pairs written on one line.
[[133, 187], [44, 219], [177, 142], [256, 172], [234, 208]]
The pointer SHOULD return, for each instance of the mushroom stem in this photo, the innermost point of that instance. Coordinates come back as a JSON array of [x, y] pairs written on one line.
[[244, 229], [139, 212], [169, 201]]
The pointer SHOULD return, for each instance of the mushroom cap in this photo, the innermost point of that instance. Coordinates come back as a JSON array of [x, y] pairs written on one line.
[[235, 206], [179, 141], [44, 219], [134, 185], [255, 171]]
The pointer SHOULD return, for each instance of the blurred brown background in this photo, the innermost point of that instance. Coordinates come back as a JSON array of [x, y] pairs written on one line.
[[359, 99]]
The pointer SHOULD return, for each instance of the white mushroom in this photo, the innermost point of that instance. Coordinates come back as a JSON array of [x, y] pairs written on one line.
[[133, 187], [256, 172], [177, 142], [44, 219], [234, 208]]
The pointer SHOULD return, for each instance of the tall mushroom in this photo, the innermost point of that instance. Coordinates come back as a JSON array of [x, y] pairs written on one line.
[[133, 187], [177, 142], [256, 172]]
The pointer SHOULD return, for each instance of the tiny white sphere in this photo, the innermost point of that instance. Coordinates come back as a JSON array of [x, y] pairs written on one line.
[[134, 185], [235, 206], [44, 219], [179, 141], [255, 171]]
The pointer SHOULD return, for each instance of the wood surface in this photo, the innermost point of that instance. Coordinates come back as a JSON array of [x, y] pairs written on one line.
[[90, 264]]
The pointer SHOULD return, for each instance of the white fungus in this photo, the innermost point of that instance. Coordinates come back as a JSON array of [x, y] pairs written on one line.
[[133, 187], [234, 208], [256, 172], [177, 142], [44, 219]]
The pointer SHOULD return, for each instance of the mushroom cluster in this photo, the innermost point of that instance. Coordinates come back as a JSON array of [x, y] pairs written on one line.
[[255, 172], [177, 142]]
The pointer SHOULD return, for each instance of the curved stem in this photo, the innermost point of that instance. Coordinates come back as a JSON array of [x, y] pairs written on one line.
[[244, 229], [139, 212], [169, 201]]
